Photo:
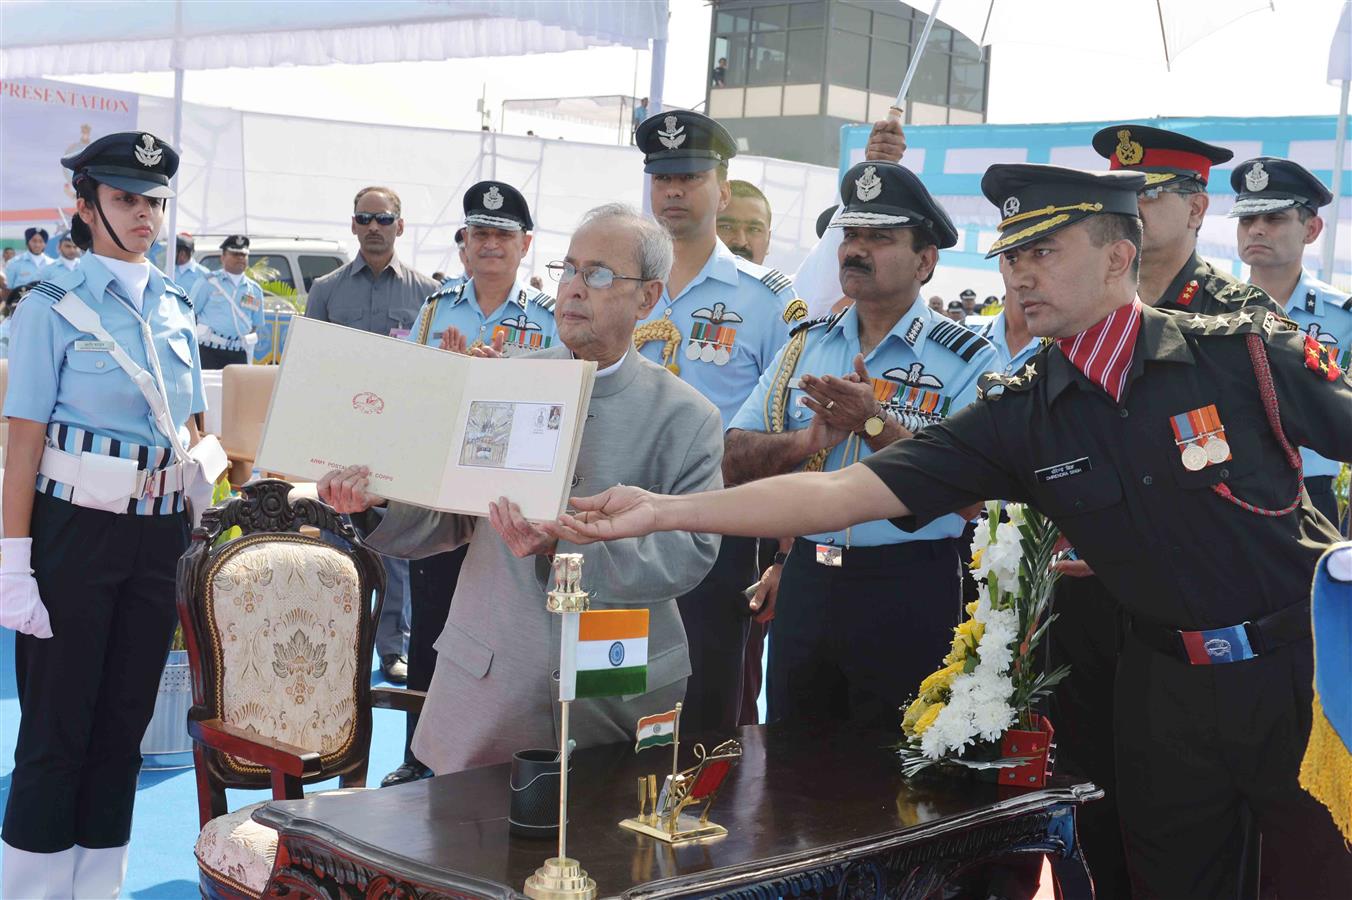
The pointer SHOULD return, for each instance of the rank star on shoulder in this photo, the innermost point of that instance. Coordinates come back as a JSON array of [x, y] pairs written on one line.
[[1029, 371], [1197, 320], [1222, 321], [1243, 318]]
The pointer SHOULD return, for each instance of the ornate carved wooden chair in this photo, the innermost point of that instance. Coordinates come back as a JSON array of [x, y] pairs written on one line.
[[279, 628]]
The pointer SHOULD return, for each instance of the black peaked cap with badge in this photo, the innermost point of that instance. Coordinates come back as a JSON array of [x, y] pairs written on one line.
[[1038, 200], [1162, 156], [889, 195], [678, 142], [1270, 184], [235, 243], [496, 204], [133, 161]]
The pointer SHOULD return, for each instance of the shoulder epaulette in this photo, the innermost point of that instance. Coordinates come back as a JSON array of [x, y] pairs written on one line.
[[796, 311], [992, 384], [962, 341], [1247, 320], [544, 301], [48, 289], [178, 292], [453, 290], [776, 281], [1347, 304], [804, 325], [1236, 293]]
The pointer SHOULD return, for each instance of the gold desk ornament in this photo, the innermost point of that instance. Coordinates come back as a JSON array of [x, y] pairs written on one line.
[[663, 816], [561, 878]]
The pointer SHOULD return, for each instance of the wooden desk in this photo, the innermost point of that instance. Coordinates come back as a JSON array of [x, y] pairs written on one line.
[[807, 813]]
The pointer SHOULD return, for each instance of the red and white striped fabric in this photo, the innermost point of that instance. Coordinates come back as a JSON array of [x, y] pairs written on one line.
[[1104, 351]]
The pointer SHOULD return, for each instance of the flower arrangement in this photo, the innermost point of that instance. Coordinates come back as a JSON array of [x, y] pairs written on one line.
[[990, 679]]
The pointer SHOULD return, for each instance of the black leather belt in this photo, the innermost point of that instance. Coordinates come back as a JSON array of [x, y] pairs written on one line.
[[1233, 643]]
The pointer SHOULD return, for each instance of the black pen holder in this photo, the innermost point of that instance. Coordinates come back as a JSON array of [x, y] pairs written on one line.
[[534, 810]]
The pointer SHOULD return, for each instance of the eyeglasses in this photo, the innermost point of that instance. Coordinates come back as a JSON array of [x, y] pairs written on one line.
[[598, 277], [1153, 193], [382, 218]]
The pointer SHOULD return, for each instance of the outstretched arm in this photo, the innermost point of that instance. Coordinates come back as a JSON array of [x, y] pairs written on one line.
[[787, 505]]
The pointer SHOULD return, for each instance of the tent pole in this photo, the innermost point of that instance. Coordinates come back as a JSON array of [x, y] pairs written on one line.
[[1339, 154], [656, 78], [171, 240]]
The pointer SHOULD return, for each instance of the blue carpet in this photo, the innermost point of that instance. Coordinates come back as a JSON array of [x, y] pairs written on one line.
[[164, 827]]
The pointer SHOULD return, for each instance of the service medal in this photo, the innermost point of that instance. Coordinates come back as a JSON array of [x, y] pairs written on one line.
[[1194, 458], [1217, 450]]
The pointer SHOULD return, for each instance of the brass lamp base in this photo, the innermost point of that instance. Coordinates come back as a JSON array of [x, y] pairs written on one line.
[[688, 828], [560, 879]]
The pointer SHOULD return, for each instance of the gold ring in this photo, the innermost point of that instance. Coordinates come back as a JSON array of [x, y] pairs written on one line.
[[830, 404]]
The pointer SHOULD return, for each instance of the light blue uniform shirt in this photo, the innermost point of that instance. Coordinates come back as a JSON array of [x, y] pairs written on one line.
[[230, 310], [1005, 363], [926, 365], [26, 269], [50, 270], [187, 275], [731, 320], [527, 317], [1322, 311], [63, 376]]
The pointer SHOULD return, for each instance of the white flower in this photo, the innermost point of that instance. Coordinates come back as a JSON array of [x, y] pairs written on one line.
[[991, 717], [1015, 513]]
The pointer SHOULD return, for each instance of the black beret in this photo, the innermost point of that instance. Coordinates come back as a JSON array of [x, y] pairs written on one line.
[[29, 232]]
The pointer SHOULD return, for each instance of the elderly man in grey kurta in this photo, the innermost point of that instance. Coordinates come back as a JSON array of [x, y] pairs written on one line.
[[496, 686]]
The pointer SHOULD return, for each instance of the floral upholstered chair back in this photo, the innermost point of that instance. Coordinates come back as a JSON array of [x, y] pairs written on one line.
[[282, 625]]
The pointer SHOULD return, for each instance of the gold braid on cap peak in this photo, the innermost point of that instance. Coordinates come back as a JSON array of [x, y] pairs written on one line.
[[1048, 210], [663, 330]]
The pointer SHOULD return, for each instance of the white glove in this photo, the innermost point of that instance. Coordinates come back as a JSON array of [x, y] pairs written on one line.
[[250, 340], [203, 332], [20, 606]]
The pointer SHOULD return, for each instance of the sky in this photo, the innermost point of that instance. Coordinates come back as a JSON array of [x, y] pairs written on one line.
[[1269, 63]]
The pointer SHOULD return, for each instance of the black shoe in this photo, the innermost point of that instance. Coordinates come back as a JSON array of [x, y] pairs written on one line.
[[394, 666], [409, 771]]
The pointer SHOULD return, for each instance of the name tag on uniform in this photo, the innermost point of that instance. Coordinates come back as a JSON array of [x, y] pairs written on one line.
[[94, 346], [1064, 469]]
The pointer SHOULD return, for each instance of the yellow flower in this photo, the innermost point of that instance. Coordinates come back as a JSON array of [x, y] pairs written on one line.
[[971, 608], [933, 687], [973, 630], [976, 559], [925, 721], [913, 714]]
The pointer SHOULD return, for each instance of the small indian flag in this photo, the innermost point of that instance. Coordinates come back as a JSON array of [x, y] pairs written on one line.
[[604, 654], [655, 731]]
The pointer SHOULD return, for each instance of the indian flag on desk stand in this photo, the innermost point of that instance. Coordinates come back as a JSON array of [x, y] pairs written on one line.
[[656, 731], [605, 654]]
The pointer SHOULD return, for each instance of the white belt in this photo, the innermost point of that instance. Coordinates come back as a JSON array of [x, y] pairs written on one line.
[[218, 341], [64, 467]]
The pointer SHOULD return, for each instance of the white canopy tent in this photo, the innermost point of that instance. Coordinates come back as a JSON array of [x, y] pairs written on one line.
[[41, 38]]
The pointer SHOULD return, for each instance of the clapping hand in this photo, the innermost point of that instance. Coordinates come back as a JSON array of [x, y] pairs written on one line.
[[843, 403], [620, 512], [521, 537]]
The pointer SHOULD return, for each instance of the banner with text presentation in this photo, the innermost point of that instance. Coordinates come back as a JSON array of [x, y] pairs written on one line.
[[44, 121]]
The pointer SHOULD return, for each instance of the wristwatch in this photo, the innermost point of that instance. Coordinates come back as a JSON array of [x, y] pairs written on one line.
[[780, 557], [873, 425]]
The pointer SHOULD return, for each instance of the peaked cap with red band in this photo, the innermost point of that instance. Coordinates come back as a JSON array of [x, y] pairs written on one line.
[[1162, 156]]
